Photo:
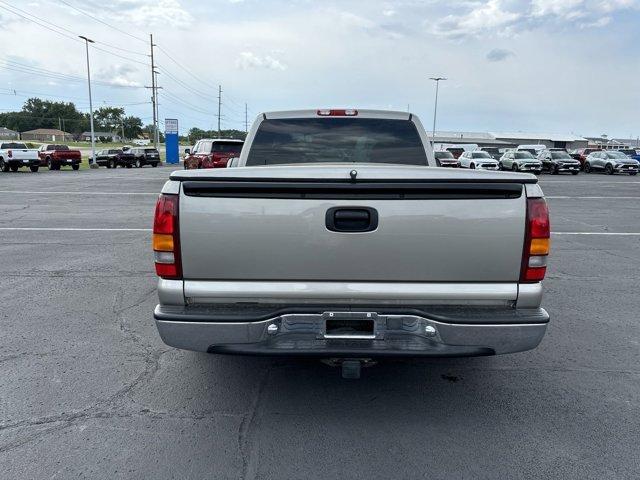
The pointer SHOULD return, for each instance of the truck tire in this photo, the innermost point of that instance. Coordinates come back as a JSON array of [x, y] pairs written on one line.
[[34, 168], [129, 165], [14, 168], [154, 164], [138, 164], [76, 166], [49, 164], [111, 164], [3, 166]]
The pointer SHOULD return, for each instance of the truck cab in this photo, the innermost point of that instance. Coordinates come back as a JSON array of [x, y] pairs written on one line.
[[212, 153]]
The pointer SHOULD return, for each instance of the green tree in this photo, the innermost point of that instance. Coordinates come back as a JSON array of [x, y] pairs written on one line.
[[109, 118], [132, 126]]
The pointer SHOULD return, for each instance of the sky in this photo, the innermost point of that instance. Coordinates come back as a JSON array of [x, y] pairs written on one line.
[[545, 66]]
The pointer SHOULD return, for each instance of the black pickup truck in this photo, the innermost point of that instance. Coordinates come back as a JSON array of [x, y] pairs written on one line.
[[113, 158]]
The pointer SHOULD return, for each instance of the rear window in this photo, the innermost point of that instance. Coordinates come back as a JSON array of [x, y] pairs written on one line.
[[480, 155], [150, 150], [558, 155], [348, 140], [58, 147], [14, 145], [227, 147], [522, 154], [443, 155]]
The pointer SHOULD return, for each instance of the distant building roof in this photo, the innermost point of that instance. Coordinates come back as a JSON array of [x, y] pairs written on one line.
[[7, 131], [553, 137], [46, 131]]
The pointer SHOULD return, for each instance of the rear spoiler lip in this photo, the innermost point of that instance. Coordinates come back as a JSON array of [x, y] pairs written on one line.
[[176, 175]]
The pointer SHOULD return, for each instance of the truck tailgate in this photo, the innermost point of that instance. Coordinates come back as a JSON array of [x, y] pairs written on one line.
[[428, 230]]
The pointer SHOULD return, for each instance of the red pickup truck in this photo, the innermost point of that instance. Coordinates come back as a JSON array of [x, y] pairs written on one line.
[[55, 156], [212, 153]]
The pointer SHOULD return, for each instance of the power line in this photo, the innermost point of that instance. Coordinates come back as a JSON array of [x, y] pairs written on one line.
[[103, 22]]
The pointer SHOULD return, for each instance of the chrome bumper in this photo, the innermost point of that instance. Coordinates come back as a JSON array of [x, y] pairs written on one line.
[[300, 334]]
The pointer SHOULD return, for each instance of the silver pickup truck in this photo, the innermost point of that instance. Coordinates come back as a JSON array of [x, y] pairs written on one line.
[[337, 238]]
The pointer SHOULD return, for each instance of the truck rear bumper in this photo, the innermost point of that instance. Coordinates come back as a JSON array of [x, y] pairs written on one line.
[[377, 334]]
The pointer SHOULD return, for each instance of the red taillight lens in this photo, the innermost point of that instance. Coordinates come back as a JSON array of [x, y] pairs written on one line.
[[349, 112], [537, 241], [166, 239]]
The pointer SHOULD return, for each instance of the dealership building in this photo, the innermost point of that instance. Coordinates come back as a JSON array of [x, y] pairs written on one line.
[[511, 139]]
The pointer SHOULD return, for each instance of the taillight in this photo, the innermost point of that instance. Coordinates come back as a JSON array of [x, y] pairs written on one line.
[[9, 153], [536, 242], [166, 238], [337, 113]]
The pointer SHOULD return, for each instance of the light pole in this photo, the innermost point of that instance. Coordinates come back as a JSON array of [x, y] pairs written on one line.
[[92, 162], [435, 107]]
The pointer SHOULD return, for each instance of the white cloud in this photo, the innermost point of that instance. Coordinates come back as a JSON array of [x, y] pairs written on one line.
[[499, 55], [118, 75], [491, 16], [248, 60]]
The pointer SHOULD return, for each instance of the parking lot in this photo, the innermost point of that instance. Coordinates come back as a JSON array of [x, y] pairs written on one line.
[[89, 390]]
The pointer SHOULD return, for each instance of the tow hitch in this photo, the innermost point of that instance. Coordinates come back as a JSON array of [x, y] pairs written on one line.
[[350, 367]]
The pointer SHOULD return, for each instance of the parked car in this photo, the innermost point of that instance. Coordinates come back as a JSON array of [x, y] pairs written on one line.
[[446, 159], [55, 156], [610, 162], [466, 250], [631, 153], [532, 149], [478, 160], [145, 156], [581, 154], [14, 155], [113, 157], [212, 153], [558, 161], [495, 152], [520, 161]]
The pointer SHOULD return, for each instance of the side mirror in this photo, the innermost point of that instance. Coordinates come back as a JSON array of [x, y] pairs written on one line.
[[187, 151]]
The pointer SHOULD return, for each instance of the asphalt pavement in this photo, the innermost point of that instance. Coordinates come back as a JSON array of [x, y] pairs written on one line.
[[88, 390]]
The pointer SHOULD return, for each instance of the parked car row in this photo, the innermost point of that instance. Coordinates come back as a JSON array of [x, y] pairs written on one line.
[[538, 158], [128, 157]]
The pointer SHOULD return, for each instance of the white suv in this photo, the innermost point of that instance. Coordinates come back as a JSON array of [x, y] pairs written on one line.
[[478, 160]]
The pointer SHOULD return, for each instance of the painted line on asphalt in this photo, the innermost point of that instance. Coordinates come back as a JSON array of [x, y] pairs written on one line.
[[590, 197], [55, 229], [45, 229], [27, 192]]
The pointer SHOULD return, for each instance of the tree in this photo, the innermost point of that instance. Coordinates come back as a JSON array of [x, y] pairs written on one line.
[[38, 113], [132, 126], [109, 118], [196, 134]]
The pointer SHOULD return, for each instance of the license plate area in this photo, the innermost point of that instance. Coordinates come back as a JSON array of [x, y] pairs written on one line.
[[349, 325]]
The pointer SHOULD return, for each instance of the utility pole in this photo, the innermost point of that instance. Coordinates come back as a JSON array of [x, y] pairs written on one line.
[[92, 160], [153, 95], [219, 107], [435, 107], [246, 119], [157, 105]]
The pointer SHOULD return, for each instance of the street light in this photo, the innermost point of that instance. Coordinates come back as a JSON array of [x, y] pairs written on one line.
[[92, 162], [435, 107]]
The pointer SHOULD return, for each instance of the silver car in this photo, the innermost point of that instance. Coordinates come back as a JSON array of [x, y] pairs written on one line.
[[478, 160], [610, 162], [520, 161]]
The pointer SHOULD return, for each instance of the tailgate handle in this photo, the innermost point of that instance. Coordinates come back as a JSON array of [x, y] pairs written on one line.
[[352, 219]]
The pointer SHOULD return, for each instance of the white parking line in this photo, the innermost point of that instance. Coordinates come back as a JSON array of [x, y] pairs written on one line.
[[618, 234], [26, 192], [44, 229], [567, 197]]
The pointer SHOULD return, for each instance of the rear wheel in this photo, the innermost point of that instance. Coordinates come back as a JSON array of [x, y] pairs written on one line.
[[3, 166], [14, 168], [154, 165], [34, 168], [111, 164], [587, 168], [138, 164], [76, 166], [609, 169]]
